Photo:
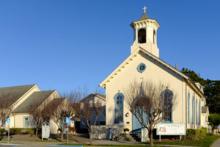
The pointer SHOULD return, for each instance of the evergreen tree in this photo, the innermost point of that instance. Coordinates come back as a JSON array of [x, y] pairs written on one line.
[[211, 89]]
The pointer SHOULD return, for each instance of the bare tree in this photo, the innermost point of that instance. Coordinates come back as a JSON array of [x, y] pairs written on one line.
[[6, 101], [149, 104], [38, 116], [37, 119], [87, 111], [57, 110]]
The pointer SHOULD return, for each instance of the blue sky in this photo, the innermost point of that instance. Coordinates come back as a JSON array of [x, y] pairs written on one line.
[[67, 44]]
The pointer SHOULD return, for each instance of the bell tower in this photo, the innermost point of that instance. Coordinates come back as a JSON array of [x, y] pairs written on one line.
[[145, 34]]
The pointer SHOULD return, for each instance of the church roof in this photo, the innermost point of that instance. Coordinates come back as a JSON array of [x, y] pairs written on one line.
[[11, 94], [163, 63], [158, 60], [33, 101], [175, 70]]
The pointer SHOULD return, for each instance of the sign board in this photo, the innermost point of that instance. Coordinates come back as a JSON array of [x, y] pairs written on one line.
[[67, 121], [7, 123], [45, 131], [171, 129]]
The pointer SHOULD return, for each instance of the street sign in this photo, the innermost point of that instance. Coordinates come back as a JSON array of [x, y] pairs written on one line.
[[7, 121], [68, 121]]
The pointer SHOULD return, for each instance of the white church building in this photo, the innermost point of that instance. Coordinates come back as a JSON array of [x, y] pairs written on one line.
[[144, 63]]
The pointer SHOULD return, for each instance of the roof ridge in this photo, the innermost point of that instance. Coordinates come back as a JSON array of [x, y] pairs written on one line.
[[16, 86], [172, 68], [45, 91]]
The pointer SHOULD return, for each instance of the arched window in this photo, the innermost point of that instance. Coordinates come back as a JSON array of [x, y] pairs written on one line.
[[193, 110], [142, 36], [196, 112], [188, 108], [199, 112], [168, 104], [119, 104]]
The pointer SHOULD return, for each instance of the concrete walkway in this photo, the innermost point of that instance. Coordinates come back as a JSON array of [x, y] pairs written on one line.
[[216, 143], [37, 144]]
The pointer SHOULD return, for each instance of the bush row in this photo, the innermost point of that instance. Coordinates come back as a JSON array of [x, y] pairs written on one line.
[[196, 134], [14, 131]]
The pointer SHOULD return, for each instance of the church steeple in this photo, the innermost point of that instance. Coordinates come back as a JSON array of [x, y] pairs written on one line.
[[145, 34]]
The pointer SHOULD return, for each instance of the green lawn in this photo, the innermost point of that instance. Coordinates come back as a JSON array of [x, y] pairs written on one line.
[[112, 145], [206, 142], [138, 145]]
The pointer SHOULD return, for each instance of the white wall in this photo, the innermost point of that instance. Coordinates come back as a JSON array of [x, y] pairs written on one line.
[[153, 73], [17, 120]]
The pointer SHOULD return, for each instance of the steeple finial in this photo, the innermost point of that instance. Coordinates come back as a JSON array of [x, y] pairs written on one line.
[[145, 13]]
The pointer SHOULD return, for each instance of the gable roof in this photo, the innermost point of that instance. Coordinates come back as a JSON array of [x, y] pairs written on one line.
[[33, 101], [13, 93], [92, 95], [55, 103], [142, 51]]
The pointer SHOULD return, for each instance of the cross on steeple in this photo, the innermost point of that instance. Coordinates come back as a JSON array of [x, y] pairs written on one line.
[[145, 10]]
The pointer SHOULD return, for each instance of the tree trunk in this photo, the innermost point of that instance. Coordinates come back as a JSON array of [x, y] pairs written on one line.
[[150, 133], [62, 129], [62, 134], [95, 120], [36, 131], [213, 128]]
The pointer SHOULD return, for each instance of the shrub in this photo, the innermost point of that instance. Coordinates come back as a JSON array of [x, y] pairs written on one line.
[[196, 134], [214, 120], [201, 133], [123, 137], [2, 131], [14, 131]]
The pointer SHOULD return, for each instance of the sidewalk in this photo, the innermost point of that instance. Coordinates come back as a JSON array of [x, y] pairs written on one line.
[[216, 143]]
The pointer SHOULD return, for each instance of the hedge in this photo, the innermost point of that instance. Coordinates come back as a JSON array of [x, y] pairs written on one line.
[[196, 134], [14, 131]]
